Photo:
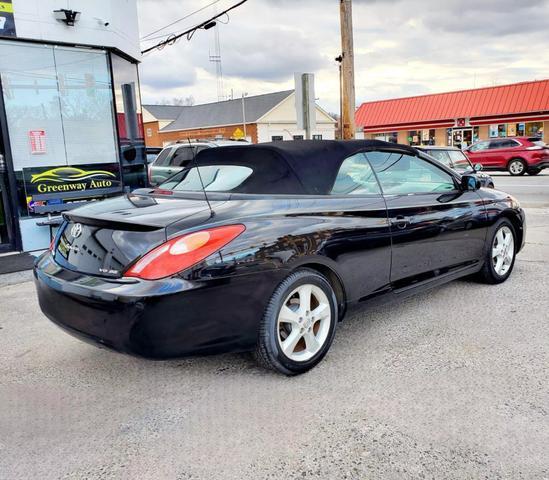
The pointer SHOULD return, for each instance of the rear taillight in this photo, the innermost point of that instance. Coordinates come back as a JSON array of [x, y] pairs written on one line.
[[183, 252], [52, 245]]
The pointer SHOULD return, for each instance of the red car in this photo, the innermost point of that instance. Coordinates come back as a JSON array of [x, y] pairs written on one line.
[[517, 155]]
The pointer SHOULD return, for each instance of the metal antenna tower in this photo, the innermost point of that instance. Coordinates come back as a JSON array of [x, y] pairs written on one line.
[[216, 58]]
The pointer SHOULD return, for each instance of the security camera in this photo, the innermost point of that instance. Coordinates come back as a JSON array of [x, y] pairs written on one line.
[[102, 21], [68, 17]]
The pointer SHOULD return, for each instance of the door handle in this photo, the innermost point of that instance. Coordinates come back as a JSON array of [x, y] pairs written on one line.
[[401, 222]]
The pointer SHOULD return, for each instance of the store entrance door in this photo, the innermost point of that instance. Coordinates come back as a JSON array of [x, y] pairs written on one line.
[[6, 232], [462, 137]]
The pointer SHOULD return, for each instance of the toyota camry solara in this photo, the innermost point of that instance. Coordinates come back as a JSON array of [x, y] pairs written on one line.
[[265, 248]]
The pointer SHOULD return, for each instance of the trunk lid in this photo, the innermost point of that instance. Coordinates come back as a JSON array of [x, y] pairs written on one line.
[[104, 238]]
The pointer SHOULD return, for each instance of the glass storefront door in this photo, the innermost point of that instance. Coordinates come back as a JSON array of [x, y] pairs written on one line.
[[462, 137]]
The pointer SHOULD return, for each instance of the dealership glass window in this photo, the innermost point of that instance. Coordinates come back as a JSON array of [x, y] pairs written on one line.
[[534, 129], [449, 137], [502, 130], [476, 135], [317, 137], [130, 122], [391, 137], [414, 137], [298, 137], [58, 105], [277, 138]]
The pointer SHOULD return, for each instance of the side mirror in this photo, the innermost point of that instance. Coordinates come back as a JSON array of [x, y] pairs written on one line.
[[478, 167], [469, 183]]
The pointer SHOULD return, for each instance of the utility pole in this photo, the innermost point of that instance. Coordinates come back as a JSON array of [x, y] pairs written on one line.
[[347, 70]]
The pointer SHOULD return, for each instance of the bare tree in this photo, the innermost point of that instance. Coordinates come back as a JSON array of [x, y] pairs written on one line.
[[179, 101]]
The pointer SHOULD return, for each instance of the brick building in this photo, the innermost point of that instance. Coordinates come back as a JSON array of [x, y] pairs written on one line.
[[459, 118], [260, 118]]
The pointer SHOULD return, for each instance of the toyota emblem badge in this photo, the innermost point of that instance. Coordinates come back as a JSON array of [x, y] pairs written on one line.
[[76, 230]]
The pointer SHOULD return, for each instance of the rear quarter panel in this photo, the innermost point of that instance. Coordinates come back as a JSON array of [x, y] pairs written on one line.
[[349, 236]]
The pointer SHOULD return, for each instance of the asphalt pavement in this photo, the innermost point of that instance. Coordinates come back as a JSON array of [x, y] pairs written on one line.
[[450, 384], [532, 191]]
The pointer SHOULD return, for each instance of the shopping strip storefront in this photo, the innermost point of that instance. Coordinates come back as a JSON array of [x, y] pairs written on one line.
[[71, 133], [459, 118]]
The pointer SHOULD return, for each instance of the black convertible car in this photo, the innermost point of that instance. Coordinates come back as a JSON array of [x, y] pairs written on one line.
[[266, 247]]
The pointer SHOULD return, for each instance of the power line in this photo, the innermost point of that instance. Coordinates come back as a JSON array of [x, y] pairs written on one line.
[[189, 33], [180, 19]]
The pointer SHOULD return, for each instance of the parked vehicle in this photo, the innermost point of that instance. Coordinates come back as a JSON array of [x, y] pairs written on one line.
[[174, 158], [152, 153], [518, 155], [267, 247], [454, 158]]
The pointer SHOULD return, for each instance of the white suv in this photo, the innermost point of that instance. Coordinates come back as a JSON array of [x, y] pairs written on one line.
[[176, 157]]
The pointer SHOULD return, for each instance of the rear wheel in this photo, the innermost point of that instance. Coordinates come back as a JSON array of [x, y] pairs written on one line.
[[534, 171], [299, 324], [500, 257], [516, 166]]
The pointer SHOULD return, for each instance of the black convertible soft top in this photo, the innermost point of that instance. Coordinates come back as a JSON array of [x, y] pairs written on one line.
[[294, 167]]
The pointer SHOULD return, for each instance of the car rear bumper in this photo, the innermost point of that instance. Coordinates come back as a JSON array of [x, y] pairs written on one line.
[[539, 166], [161, 319]]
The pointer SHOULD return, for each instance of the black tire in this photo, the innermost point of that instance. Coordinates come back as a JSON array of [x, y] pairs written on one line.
[[488, 273], [534, 171], [268, 352], [516, 167]]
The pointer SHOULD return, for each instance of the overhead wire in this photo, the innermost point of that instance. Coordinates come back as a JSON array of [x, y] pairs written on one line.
[[178, 20], [190, 32]]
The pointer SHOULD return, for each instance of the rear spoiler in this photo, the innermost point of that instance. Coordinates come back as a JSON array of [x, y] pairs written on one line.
[[111, 224]]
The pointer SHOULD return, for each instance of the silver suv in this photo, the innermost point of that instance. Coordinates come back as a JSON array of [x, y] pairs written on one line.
[[176, 157]]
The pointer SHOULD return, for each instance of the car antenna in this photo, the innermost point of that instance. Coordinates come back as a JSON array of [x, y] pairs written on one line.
[[212, 213]]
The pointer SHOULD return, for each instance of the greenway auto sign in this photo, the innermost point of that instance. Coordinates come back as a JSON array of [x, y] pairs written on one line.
[[62, 180]]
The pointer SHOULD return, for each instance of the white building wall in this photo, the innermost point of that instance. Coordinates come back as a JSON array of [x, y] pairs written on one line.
[[282, 121], [34, 20], [266, 131]]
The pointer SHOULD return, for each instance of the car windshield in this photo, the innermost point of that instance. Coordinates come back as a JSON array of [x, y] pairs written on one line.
[[460, 162], [216, 178]]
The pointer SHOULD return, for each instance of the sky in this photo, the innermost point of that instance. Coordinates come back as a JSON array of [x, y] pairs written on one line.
[[402, 47]]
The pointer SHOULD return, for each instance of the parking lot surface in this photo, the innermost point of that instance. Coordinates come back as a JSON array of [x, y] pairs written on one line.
[[453, 384], [531, 191]]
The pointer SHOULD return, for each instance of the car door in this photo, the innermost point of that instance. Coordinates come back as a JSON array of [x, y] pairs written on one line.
[[509, 149], [435, 226], [360, 242], [477, 153], [497, 154], [158, 170]]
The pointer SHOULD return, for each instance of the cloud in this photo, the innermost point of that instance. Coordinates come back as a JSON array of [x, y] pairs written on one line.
[[401, 47]]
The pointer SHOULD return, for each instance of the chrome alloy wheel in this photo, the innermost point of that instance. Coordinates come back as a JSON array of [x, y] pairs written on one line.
[[503, 250], [304, 323], [516, 167]]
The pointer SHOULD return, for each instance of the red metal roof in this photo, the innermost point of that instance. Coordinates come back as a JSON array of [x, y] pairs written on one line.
[[517, 98]]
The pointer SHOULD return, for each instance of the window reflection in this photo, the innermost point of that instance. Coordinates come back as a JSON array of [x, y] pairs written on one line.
[[129, 121]]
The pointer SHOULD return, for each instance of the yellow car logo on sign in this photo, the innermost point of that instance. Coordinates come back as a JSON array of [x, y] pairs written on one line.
[[69, 174]]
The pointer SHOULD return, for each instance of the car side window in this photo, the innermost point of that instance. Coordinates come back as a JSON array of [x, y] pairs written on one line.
[[509, 144], [441, 156], [401, 174], [162, 157], [355, 177], [182, 156], [497, 144], [477, 147]]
